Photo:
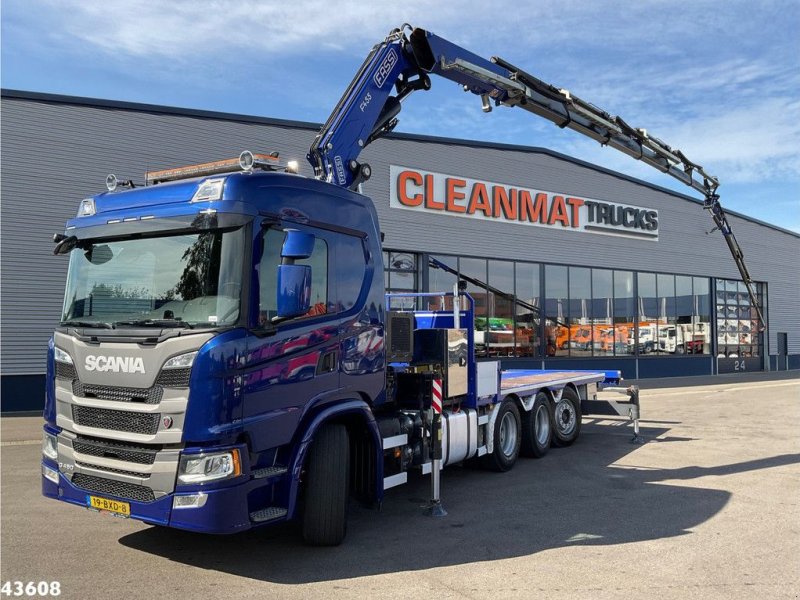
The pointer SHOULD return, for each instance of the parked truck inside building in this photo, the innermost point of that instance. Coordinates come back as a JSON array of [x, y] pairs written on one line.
[[227, 357]]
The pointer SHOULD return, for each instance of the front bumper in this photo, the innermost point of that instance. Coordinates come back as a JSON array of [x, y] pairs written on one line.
[[225, 510]]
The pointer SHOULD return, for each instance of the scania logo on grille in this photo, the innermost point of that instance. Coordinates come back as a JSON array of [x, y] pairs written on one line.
[[117, 364], [167, 422]]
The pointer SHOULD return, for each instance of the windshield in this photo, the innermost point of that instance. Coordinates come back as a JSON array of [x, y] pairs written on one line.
[[185, 280]]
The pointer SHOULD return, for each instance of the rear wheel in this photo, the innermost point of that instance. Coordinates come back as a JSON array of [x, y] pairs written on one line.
[[537, 427], [326, 493], [567, 418], [507, 438]]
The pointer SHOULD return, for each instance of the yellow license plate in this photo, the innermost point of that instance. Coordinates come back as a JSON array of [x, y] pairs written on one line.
[[114, 506]]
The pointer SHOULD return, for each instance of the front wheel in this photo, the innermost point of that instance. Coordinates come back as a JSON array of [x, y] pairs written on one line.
[[507, 438], [537, 429], [567, 418], [327, 490]]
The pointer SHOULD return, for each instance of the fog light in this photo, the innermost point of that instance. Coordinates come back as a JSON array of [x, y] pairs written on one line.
[[190, 501], [50, 474]]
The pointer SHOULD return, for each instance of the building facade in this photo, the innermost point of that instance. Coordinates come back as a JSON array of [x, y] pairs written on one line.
[[570, 265]]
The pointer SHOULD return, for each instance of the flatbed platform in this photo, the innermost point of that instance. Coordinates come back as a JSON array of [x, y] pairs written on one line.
[[526, 380]]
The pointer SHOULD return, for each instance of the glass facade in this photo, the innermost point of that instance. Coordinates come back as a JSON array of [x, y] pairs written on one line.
[[738, 333], [537, 310], [401, 274]]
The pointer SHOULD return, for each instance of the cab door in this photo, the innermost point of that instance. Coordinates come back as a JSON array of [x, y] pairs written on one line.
[[292, 363]]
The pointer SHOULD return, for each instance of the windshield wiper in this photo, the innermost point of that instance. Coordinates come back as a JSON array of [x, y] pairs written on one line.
[[79, 323], [156, 323]]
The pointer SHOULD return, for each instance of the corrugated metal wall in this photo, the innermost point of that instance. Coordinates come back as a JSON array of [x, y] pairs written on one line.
[[56, 151]]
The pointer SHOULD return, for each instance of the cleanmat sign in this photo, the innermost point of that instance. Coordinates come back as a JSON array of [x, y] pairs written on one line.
[[437, 193]]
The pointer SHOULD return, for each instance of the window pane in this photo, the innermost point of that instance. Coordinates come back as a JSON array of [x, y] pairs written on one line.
[[667, 331], [701, 307], [737, 325], [270, 259], [648, 313], [441, 279], [580, 300], [501, 308], [623, 313], [527, 310], [402, 281], [685, 341], [602, 312], [475, 270], [402, 261], [555, 304], [401, 276]]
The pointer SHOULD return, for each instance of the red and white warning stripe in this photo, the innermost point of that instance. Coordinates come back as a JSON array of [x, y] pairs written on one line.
[[436, 402]]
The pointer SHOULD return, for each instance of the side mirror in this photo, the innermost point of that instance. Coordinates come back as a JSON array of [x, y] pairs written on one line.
[[297, 245], [64, 244], [294, 290]]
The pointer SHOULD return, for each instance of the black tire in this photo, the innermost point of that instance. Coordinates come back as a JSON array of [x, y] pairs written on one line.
[[507, 438], [327, 487], [537, 427], [567, 418]]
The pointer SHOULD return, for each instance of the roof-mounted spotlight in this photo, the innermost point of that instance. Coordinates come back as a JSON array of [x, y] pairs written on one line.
[[113, 182], [249, 161]]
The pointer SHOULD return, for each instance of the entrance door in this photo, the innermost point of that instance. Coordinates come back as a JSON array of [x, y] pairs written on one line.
[[783, 352]]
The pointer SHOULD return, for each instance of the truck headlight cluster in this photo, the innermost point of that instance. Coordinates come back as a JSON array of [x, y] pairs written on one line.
[[202, 468], [61, 356], [182, 361], [50, 446]]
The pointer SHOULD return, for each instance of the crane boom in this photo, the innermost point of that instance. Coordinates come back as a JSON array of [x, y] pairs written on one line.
[[402, 63]]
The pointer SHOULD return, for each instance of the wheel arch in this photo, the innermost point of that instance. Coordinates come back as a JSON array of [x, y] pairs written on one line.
[[357, 416]]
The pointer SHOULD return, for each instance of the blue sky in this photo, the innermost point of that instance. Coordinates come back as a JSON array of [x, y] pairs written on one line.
[[718, 80]]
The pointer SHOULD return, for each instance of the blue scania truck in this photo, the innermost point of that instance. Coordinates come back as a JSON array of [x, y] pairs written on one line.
[[228, 358]]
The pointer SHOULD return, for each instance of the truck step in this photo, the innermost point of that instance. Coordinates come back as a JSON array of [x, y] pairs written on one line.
[[268, 514], [268, 472]]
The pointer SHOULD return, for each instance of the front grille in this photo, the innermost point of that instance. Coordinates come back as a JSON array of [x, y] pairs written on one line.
[[117, 420], [174, 377], [118, 394], [110, 470], [65, 371], [127, 453], [120, 489]]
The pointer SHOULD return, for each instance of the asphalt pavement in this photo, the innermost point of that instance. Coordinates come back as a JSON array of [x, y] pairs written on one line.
[[708, 507]]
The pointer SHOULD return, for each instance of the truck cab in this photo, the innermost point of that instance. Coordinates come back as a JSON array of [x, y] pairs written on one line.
[[191, 308]]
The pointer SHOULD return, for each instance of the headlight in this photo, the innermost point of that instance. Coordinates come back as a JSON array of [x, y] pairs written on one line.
[[181, 361], [50, 446], [201, 468], [61, 356]]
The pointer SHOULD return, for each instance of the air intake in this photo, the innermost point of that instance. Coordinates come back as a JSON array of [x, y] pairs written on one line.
[[399, 336]]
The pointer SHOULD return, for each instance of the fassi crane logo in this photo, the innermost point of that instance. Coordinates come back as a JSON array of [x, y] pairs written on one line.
[[414, 189]]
